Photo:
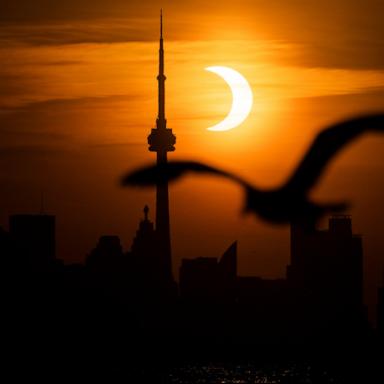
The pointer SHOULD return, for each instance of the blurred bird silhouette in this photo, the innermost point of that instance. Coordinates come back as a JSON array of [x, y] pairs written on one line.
[[289, 202]]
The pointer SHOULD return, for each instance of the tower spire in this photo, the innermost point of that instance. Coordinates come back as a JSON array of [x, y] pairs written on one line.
[[161, 23], [161, 122]]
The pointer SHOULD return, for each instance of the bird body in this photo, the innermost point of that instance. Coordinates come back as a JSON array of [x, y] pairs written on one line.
[[289, 202]]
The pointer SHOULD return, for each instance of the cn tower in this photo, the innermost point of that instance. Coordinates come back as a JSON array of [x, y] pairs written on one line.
[[162, 140]]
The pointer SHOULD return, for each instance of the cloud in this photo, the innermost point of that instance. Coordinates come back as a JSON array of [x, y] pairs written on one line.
[[91, 101], [64, 122], [115, 145], [43, 10], [97, 31], [30, 150], [374, 94], [340, 34], [347, 53], [52, 10]]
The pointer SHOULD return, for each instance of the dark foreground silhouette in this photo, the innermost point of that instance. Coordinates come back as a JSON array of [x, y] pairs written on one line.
[[118, 314], [287, 203]]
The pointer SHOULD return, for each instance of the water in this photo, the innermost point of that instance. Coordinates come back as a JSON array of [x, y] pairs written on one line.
[[250, 373]]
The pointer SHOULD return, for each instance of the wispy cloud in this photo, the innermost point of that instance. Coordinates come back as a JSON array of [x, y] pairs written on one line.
[[116, 145], [66, 122], [30, 150], [92, 101], [339, 34], [96, 31]]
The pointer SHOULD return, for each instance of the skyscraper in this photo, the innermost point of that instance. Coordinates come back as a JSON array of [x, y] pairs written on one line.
[[161, 140], [327, 271]]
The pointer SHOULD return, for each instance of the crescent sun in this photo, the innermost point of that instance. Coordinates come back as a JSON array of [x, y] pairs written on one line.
[[242, 98]]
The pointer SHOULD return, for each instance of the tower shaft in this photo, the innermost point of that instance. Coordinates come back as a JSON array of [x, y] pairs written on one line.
[[162, 219], [161, 140]]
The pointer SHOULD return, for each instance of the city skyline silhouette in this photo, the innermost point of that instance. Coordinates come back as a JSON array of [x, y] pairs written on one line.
[[74, 116], [161, 140], [98, 274]]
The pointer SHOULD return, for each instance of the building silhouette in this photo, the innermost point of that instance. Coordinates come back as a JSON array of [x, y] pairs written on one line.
[[144, 246], [161, 140], [207, 279], [380, 311], [106, 256], [110, 271], [326, 272], [8, 259], [320, 298], [199, 279], [146, 258]]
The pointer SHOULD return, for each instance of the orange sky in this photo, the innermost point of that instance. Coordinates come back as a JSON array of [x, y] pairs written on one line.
[[78, 99]]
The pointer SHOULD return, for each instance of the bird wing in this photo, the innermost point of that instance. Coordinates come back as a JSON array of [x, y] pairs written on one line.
[[326, 145], [173, 170]]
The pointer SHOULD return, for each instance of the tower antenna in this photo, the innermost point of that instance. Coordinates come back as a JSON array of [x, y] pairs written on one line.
[[161, 23]]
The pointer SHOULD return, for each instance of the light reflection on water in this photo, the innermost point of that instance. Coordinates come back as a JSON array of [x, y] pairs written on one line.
[[249, 373]]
